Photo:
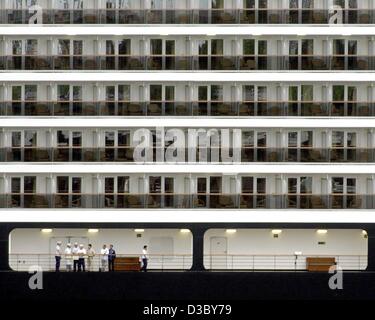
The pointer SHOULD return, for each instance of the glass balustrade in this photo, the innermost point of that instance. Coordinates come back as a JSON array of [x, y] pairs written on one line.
[[183, 108], [192, 63], [189, 16], [245, 154], [188, 201]]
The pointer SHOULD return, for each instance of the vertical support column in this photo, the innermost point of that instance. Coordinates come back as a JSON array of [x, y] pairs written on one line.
[[50, 190], [281, 144], [371, 249], [97, 98], [192, 98], [329, 98], [96, 139], [98, 53], [4, 248], [5, 99], [370, 140], [50, 95], [146, 96], [370, 99], [325, 143], [3, 142], [96, 190], [198, 248], [190, 53]]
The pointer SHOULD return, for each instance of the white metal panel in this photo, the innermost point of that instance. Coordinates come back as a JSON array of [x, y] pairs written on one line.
[[188, 216]]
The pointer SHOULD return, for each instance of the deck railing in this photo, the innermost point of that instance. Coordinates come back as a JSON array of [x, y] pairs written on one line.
[[202, 201], [278, 262], [168, 262], [202, 155], [266, 108], [160, 262], [128, 62], [189, 16]]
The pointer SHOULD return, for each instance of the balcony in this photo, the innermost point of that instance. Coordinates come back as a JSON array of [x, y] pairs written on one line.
[[188, 16], [187, 201], [246, 154], [187, 63], [196, 108]]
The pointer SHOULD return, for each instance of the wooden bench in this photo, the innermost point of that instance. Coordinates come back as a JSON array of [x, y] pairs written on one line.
[[319, 263], [127, 264]]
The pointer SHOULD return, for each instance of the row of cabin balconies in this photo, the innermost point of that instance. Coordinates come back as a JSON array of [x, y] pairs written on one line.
[[183, 201], [245, 16], [203, 145], [188, 63], [202, 155], [128, 137], [187, 99], [186, 4], [230, 52], [188, 191], [264, 108]]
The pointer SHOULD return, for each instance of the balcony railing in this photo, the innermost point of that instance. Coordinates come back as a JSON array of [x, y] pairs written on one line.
[[189, 16], [159, 262], [202, 155], [188, 201], [192, 63], [164, 262], [278, 262], [183, 108]]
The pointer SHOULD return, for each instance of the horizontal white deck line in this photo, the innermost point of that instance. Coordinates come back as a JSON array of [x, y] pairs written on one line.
[[186, 122], [189, 29], [230, 169], [194, 76], [187, 216]]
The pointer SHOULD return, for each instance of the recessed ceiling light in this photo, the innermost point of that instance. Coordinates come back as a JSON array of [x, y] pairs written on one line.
[[231, 231]]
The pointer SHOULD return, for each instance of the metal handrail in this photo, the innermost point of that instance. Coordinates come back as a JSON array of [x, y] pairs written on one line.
[[218, 201], [278, 262], [163, 262]]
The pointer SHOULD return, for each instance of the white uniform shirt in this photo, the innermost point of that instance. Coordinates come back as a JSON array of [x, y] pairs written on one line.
[[82, 253], [68, 255], [58, 251], [75, 253], [144, 254], [104, 253]]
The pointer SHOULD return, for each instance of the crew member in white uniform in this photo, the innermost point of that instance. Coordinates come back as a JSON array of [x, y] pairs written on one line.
[[104, 252], [81, 260], [68, 257], [75, 257], [58, 256]]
